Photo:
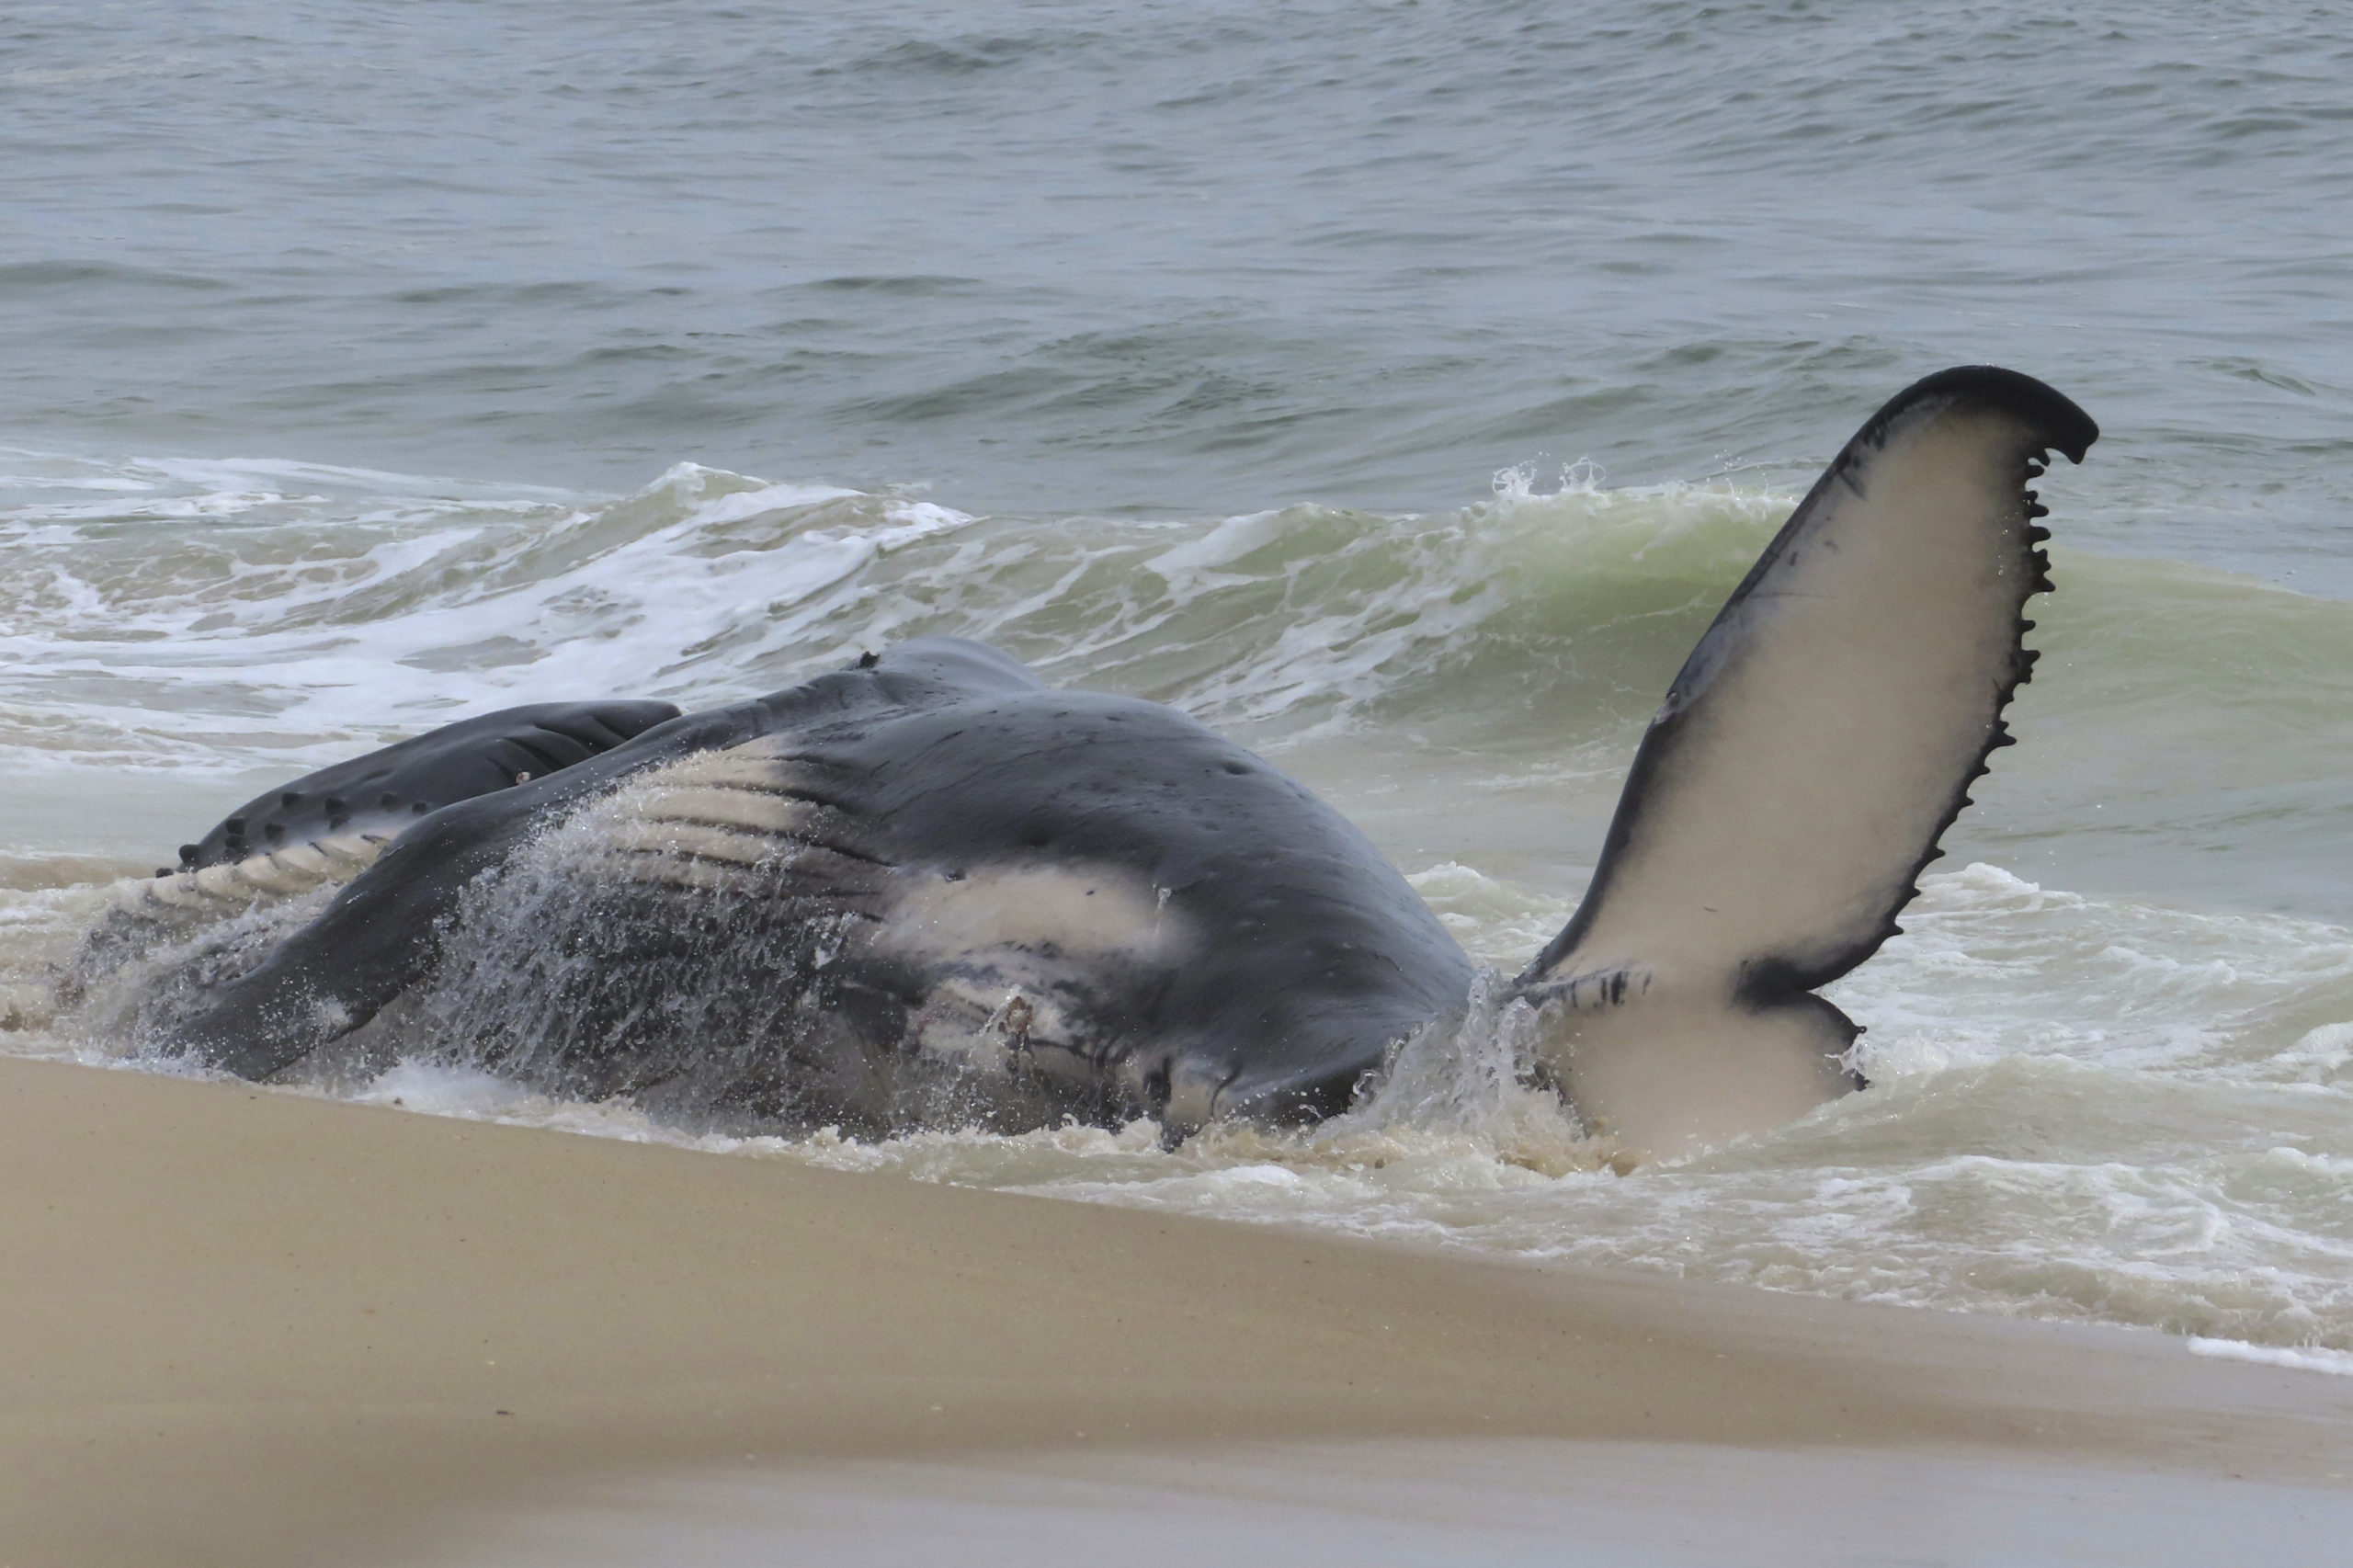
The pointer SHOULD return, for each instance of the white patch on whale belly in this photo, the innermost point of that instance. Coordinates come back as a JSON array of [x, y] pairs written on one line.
[[1076, 910]]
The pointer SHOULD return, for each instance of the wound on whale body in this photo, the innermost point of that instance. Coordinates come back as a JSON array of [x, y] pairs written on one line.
[[930, 889]]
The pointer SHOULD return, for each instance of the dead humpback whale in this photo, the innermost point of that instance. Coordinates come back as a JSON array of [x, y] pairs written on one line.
[[931, 890]]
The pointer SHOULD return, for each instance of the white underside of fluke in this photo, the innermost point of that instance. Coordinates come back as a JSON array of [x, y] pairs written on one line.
[[1816, 743]]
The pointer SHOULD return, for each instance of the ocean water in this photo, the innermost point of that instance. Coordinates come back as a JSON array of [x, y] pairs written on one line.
[[1398, 387]]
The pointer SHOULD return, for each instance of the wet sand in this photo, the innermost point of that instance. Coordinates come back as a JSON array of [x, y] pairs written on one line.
[[240, 1326]]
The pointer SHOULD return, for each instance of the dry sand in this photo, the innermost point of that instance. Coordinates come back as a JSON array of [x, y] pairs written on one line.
[[240, 1326]]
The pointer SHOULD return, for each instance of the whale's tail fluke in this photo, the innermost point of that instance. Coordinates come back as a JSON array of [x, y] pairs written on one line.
[[1819, 739]]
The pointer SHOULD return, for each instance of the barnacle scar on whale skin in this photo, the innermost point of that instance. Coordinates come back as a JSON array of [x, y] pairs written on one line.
[[930, 889]]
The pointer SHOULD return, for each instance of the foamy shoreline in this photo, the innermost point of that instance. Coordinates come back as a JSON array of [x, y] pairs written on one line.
[[258, 1327]]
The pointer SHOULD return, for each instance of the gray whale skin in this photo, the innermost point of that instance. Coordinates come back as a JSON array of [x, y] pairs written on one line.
[[929, 889]]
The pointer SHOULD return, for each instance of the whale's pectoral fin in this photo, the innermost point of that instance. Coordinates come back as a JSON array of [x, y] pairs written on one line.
[[382, 793], [380, 935], [1819, 739], [452, 805]]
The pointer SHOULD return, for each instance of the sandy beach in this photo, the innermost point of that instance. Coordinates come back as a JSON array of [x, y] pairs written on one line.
[[254, 1327]]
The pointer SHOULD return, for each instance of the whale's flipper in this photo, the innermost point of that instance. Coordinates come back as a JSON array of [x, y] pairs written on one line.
[[382, 792], [1818, 741], [329, 826]]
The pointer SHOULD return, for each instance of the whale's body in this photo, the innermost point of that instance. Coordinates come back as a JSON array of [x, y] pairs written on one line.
[[930, 889], [927, 886]]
